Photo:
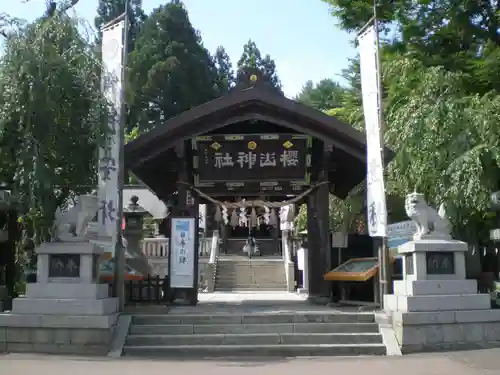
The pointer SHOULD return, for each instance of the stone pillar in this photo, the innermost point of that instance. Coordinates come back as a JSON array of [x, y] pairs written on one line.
[[133, 234]]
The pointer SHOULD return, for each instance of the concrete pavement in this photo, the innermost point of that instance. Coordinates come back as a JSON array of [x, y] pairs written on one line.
[[455, 363]]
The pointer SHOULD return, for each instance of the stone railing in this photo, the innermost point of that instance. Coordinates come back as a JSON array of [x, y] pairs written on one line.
[[211, 266], [158, 247], [205, 245], [156, 250], [155, 247]]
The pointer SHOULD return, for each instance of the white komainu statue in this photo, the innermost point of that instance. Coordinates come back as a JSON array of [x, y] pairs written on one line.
[[72, 224], [430, 223]]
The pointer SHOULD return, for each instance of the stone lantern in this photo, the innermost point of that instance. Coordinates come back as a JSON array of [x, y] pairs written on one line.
[[133, 233]]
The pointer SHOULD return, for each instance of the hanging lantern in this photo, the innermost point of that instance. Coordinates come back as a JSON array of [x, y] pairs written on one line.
[[234, 218]]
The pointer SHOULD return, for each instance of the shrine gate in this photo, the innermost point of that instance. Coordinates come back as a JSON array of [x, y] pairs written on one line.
[[254, 144]]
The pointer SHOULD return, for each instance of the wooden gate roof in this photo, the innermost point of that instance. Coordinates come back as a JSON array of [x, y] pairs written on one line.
[[151, 156]]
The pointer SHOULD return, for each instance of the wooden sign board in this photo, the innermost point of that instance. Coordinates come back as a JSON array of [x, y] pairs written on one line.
[[271, 163]]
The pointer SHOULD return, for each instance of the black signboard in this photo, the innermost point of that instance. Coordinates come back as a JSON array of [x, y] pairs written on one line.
[[64, 265], [440, 263], [261, 162]]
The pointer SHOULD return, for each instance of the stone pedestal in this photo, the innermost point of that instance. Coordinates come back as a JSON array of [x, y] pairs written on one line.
[[434, 306], [67, 310]]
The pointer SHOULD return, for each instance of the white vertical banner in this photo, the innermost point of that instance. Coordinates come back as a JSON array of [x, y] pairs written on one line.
[[370, 88], [182, 252], [109, 156]]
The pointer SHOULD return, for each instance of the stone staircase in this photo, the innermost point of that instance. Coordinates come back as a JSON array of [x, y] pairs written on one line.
[[242, 273], [257, 334]]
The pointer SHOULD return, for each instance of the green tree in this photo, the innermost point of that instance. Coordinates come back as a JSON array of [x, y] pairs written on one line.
[[251, 58], [326, 94], [169, 69], [447, 142], [52, 117], [225, 72], [466, 41]]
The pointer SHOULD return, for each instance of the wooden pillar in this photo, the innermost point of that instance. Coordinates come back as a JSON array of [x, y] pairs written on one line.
[[318, 237], [194, 210], [182, 208]]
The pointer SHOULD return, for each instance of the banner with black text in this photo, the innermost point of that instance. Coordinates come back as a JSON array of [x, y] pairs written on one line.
[[109, 155], [370, 88]]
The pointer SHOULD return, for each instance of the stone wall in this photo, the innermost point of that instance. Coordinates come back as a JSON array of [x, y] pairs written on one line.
[[446, 330], [86, 335]]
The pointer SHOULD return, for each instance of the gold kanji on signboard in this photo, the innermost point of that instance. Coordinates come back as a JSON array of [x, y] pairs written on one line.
[[216, 146], [252, 145], [287, 144]]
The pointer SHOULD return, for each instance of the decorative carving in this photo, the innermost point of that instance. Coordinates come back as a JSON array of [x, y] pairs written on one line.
[[430, 223], [71, 225], [440, 263], [64, 265]]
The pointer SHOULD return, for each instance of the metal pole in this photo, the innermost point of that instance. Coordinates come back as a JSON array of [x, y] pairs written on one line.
[[119, 250], [384, 261]]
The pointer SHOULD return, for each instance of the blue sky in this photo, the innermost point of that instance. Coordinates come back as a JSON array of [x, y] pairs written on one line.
[[301, 36]]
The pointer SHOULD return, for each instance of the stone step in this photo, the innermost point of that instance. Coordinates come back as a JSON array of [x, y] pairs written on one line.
[[249, 266], [187, 329], [263, 277], [255, 318], [203, 351], [255, 339], [251, 263], [250, 288], [249, 282]]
